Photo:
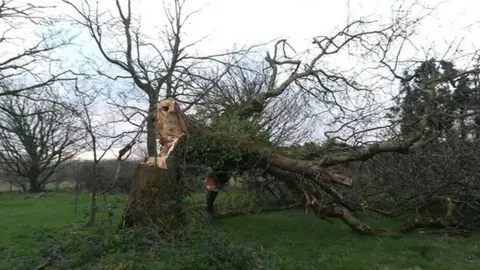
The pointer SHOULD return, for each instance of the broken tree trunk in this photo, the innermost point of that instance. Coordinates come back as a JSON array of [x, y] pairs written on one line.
[[157, 191], [156, 197]]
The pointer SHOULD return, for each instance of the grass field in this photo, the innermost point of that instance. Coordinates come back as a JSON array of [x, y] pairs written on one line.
[[282, 240]]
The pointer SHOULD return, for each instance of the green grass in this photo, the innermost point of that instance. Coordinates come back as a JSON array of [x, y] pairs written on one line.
[[304, 242], [291, 240]]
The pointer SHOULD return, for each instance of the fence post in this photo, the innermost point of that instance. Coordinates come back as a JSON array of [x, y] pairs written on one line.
[[76, 190]]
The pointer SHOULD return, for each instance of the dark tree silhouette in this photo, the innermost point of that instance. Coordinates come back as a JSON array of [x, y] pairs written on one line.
[[37, 141]]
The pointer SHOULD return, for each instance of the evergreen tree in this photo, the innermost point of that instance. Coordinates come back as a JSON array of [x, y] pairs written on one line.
[[467, 100], [430, 73]]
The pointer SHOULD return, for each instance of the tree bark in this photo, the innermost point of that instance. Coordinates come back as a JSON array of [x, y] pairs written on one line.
[[93, 185], [151, 133], [156, 195], [35, 186]]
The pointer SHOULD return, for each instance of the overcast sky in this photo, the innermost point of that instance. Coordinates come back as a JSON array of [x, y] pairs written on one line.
[[225, 23], [228, 22]]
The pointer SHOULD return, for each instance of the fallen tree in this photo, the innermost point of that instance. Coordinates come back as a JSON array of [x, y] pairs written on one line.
[[222, 153], [155, 184], [175, 73]]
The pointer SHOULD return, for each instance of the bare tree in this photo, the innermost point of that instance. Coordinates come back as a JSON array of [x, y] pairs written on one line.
[[98, 137], [156, 70], [28, 65], [38, 140]]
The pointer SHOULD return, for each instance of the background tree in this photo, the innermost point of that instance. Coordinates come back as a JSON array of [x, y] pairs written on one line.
[[37, 140], [394, 185], [24, 57], [413, 105], [99, 138], [467, 99], [157, 67]]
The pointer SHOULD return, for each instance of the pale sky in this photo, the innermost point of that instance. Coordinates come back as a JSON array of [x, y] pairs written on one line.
[[226, 23]]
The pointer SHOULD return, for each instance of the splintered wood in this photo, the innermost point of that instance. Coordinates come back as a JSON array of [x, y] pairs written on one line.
[[170, 126]]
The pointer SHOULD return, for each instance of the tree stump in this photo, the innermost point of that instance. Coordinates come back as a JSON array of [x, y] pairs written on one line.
[[156, 198]]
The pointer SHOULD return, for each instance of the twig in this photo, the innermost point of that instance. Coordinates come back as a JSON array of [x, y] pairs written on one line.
[[120, 159]]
